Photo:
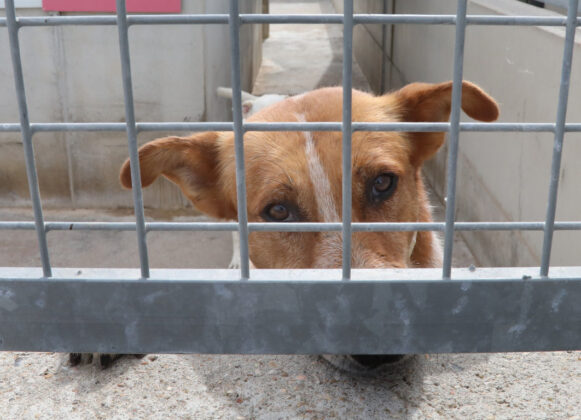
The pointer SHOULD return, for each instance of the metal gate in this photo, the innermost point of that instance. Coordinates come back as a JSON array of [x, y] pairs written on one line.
[[290, 311]]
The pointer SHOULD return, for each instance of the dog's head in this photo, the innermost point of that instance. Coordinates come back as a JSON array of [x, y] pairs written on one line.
[[296, 176]]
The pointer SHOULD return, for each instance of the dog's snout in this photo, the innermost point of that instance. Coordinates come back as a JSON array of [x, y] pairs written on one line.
[[330, 250], [370, 259]]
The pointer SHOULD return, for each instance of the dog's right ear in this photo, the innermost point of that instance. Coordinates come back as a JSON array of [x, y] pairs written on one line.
[[426, 102], [190, 162]]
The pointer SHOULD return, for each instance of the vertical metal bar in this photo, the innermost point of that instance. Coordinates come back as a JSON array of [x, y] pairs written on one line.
[[239, 138], [132, 136], [347, 133], [27, 137], [454, 136], [559, 136]]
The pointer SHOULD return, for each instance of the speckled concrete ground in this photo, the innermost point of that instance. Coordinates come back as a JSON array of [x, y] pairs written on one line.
[[460, 386], [477, 386]]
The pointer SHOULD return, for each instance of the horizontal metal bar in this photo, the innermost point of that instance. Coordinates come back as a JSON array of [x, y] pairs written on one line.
[[288, 227], [514, 127], [177, 19], [293, 126], [147, 126], [199, 126], [65, 127], [23, 21], [123, 226], [416, 19], [489, 20], [110, 20], [409, 227], [283, 311], [9, 127], [177, 276], [492, 20], [292, 18]]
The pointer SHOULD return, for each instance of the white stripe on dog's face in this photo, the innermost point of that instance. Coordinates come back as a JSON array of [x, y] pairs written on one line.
[[329, 254], [320, 180]]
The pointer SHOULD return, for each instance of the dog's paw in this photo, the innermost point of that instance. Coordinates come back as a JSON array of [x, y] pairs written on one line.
[[234, 264], [102, 360], [363, 363]]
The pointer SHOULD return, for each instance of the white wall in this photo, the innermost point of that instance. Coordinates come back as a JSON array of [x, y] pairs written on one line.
[[73, 74]]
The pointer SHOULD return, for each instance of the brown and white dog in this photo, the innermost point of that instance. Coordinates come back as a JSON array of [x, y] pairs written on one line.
[[296, 176]]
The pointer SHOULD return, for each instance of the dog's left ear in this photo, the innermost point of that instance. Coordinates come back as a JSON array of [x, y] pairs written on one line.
[[425, 102], [190, 162]]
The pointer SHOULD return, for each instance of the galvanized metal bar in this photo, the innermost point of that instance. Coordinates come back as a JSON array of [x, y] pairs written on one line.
[[291, 18], [108, 20], [454, 137], [207, 311], [409, 227], [9, 127], [239, 139], [188, 19], [145, 126], [131, 276], [201, 126], [559, 136], [132, 136], [25, 21], [409, 126], [514, 127], [482, 20], [295, 126], [493, 20], [289, 227], [414, 19], [346, 133], [185, 19], [27, 137]]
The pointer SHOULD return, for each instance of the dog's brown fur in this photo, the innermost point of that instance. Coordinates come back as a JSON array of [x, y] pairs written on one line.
[[284, 168]]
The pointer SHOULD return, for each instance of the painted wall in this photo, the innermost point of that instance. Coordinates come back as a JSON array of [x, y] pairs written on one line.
[[73, 74]]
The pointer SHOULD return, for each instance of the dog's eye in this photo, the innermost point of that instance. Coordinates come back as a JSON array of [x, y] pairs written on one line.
[[383, 186], [277, 213]]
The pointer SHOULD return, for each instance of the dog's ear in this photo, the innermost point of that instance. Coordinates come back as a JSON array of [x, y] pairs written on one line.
[[425, 102], [192, 163]]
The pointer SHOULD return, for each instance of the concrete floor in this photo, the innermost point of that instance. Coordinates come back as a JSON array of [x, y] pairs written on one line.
[[299, 58], [477, 386]]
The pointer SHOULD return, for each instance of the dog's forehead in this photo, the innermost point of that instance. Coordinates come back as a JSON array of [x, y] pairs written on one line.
[[325, 105]]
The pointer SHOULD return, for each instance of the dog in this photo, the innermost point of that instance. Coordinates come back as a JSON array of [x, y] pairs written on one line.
[[296, 177]]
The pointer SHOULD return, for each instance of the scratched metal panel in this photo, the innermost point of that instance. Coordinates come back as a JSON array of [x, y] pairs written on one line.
[[203, 313]]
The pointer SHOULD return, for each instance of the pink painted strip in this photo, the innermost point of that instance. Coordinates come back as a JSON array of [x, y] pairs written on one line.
[[134, 6]]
